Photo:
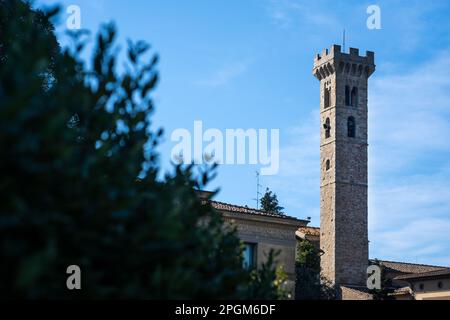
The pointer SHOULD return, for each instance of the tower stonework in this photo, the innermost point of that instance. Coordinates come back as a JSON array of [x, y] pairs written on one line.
[[344, 163]]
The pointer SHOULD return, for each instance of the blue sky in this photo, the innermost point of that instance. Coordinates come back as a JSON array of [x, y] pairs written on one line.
[[248, 63]]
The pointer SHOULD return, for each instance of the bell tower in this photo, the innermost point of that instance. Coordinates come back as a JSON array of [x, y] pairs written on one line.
[[344, 163]]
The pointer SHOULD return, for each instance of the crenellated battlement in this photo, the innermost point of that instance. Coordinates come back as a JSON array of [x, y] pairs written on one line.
[[336, 52], [332, 60]]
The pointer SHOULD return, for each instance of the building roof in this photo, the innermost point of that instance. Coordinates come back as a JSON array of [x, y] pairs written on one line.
[[401, 291], [246, 210], [404, 267], [309, 231], [431, 274], [349, 292], [206, 197]]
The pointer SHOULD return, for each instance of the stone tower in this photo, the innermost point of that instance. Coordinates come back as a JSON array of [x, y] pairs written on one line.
[[343, 160]]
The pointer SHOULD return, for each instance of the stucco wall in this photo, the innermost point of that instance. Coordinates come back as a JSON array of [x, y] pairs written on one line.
[[431, 291], [268, 234]]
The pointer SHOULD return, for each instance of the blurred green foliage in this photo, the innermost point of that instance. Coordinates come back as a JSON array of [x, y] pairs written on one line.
[[79, 179]]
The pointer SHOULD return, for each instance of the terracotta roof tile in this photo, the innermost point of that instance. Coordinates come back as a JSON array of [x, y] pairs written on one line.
[[355, 293], [246, 210], [404, 267], [431, 274]]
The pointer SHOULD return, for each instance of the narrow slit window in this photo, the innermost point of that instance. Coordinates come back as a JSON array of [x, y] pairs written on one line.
[[354, 102], [351, 126], [327, 127], [327, 97], [347, 96]]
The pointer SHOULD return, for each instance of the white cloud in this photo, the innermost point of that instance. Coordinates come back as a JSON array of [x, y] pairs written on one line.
[[395, 202], [425, 240], [411, 22], [286, 13], [410, 112], [97, 5], [298, 180], [409, 169], [224, 75]]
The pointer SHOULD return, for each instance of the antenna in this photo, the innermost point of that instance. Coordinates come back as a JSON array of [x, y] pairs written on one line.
[[343, 41], [258, 185]]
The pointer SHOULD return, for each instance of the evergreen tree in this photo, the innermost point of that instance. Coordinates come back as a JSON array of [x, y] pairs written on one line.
[[309, 284], [269, 203], [81, 180]]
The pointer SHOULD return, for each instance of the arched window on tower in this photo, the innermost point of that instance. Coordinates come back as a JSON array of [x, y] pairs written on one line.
[[351, 126], [327, 97], [327, 127], [347, 96], [354, 102], [328, 165]]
